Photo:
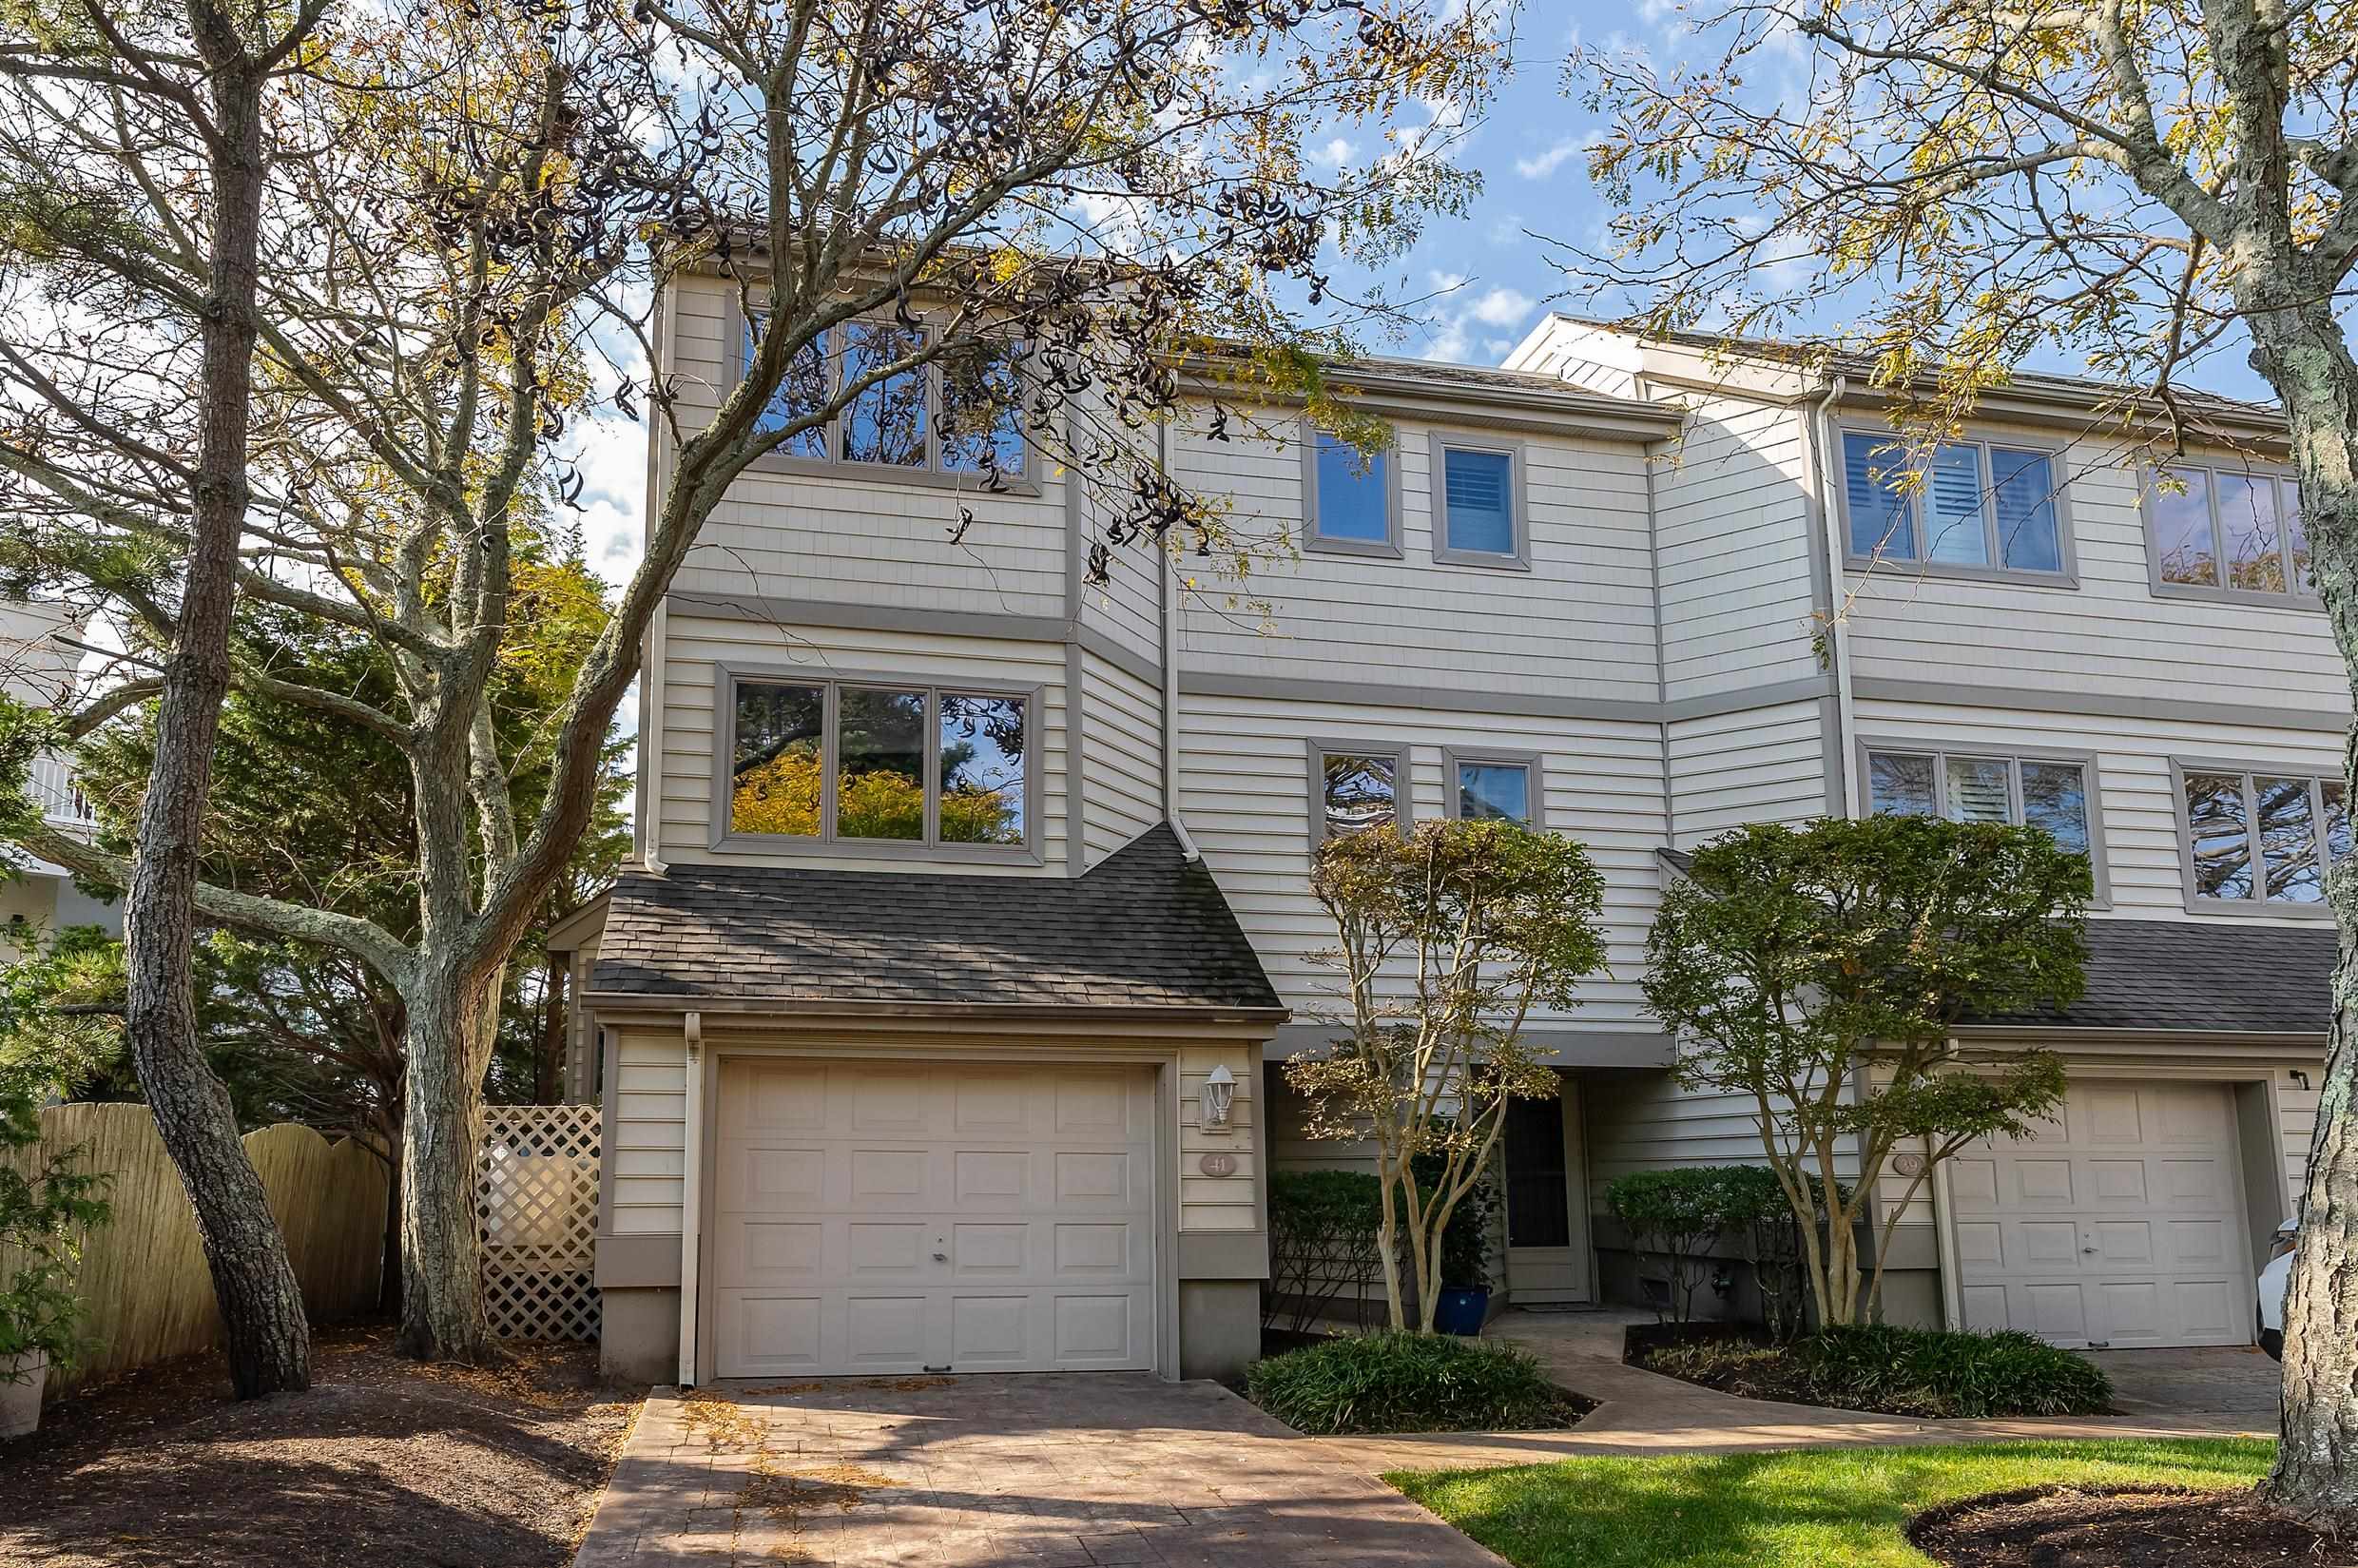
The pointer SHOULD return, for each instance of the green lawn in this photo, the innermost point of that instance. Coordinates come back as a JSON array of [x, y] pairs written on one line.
[[1826, 1508]]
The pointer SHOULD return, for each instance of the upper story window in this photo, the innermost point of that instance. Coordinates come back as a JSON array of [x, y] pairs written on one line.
[[852, 764], [959, 417], [2222, 533], [1478, 510], [1355, 787], [1350, 497], [1983, 507], [2049, 792], [1493, 787], [2260, 836]]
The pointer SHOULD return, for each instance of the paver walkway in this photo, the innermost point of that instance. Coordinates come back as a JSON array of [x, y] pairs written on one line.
[[1642, 1412], [1065, 1471], [1079, 1469]]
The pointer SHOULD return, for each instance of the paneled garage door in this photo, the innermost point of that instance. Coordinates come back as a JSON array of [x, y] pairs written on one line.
[[872, 1217], [2122, 1226]]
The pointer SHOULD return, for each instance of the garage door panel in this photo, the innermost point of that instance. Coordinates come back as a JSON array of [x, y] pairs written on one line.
[[2081, 1238], [1006, 1223]]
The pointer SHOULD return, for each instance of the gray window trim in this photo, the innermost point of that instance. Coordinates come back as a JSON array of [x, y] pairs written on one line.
[[2258, 905], [830, 467], [1452, 756], [2067, 543], [1518, 490], [726, 677], [2014, 757], [1403, 789], [1314, 541], [2149, 479]]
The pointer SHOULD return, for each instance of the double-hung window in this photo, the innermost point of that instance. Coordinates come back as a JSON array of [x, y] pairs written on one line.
[[959, 417], [1350, 497], [878, 764], [1497, 787], [2228, 533], [1478, 503], [1976, 507], [2260, 837], [1968, 786], [1354, 788]]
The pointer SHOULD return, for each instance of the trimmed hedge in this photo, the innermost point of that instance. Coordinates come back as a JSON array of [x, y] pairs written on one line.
[[1409, 1383], [1923, 1372]]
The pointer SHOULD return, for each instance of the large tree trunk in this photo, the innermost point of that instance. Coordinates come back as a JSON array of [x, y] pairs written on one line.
[[2301, 351], [261, 1305], [451, 1025]]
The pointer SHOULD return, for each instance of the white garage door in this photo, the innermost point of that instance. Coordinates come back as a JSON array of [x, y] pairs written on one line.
[[886, 1218], [2122, 1226]]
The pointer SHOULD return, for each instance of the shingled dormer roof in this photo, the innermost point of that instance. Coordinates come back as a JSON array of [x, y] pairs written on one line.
[[1147, 928]]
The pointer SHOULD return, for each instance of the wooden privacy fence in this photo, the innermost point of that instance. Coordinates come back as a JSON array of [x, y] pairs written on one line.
[[144, 1286], [536, 1208]]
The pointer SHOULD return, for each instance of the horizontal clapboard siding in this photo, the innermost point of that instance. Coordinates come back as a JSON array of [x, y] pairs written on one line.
[[1121, 757], [1245, 798]]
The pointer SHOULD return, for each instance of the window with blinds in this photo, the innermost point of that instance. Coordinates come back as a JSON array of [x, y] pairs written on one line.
[[1477, 511], [1966, 504], [1968, 787]]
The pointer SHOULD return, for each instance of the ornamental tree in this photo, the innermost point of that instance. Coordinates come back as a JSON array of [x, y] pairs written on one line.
[[467, 215], [1819, 973], [1446, 940]]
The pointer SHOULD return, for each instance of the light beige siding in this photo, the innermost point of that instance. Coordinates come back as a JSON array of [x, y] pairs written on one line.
[[860, 539], [1121, 756], [1578, 625], [1245, 796], [1758, 764], [646, 1110], [1218, 1203], [2111, 637], [1735, 545]]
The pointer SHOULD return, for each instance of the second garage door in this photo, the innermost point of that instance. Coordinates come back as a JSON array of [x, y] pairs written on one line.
[[2119, 1224], [872, 1217]]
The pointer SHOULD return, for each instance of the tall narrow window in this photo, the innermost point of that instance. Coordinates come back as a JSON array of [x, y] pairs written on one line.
[[2029, 538], [880, 773], [884, 423], [1478, 502], [1902, 785], [1352, 503], [982, 429], [981, 763], [2289, 853], [801, 395], [1357, 789], [1980, 789], [2254, 546], [1882, 523], [2054, 797], [776, 778], [1955, 526], [2219, 828]]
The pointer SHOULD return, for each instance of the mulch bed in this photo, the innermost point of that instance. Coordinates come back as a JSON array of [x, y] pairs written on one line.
[[2068, 1527], [384, 1462]]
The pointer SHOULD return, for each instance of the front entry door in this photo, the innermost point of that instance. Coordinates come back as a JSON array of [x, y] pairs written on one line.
[[1547, 1204]]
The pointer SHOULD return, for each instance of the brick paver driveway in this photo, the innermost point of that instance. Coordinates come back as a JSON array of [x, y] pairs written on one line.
[[1063, 1471]]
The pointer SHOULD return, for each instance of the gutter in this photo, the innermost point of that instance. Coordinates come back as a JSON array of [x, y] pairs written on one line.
[[714, 1011], [1837, 637], [1167, 610]]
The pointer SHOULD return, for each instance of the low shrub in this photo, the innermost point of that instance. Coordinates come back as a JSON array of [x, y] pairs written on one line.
[[1410, 1383], [1324, 1239], [1922, 1372]]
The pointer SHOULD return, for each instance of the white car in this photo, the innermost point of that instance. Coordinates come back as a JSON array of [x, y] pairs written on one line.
[[2275, 1281]]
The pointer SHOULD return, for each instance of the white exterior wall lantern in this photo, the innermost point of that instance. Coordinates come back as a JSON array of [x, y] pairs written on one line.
[[1219, 1094]]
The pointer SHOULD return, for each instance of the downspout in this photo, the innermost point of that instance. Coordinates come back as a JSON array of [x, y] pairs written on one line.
[[692, 1193], [1837, 641], [1169, 609], [650, 813]]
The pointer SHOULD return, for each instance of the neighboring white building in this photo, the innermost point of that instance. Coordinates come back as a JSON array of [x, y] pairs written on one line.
[[38, 899], [960, 879]]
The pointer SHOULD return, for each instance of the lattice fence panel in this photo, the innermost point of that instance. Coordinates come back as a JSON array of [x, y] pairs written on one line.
[[536, 1204]]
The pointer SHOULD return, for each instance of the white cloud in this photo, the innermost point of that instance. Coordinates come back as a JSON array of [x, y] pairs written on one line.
[[1543, 164], [1334, 154], [1502, 307]]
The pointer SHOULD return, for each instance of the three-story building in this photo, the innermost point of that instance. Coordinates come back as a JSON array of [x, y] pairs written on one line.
[[940, 1021]]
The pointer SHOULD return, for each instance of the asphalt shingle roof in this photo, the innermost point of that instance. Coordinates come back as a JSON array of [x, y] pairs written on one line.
[[2200, 974], [1144, 928]]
